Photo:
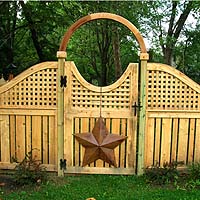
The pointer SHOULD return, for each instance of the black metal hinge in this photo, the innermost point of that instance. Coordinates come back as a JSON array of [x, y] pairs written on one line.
[[135, 106], [63, 164], [63, 81]]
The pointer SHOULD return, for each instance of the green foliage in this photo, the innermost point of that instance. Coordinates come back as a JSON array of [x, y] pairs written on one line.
[[194, 171], [29, 171], [92, 46], [162, 175], [192, 184], [187, 54]]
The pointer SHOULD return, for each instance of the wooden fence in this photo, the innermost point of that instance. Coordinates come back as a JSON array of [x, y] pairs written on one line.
[[28, 117], [40, 111], [28, 114], [84, 103], [173, 116]]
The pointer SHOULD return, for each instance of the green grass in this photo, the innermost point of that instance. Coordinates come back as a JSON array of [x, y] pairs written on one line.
[[101, 187]]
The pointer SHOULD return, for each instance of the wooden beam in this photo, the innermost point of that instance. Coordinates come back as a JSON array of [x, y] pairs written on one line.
[[61, 64], [142, 113], [100, 170]]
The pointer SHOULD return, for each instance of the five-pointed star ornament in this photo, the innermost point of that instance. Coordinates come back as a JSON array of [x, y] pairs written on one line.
[[99, 144]]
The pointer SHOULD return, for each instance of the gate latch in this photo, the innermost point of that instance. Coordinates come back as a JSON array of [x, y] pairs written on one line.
[[63, 164], [135, 106], [63, 81]]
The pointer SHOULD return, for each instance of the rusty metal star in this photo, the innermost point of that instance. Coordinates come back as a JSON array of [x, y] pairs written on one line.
[[99, 144]]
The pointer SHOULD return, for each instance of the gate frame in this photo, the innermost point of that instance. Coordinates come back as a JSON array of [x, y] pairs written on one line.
[[144, 56]]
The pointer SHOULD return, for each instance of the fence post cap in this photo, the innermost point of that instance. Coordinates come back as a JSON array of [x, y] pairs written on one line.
[[144, 56], [61, 54]]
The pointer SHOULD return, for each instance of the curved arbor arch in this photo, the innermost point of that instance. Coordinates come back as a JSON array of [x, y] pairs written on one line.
[[96, 16], [61, 54]]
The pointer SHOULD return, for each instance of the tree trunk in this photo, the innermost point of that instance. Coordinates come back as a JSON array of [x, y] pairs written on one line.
[[116, 51], [104, 43], [168, 58], [174, 30], [34, 35]]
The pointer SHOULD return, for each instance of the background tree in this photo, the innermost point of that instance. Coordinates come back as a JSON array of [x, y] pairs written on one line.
[[187, 54], [30, 32], [8, 21], [108, 46], [168, 19]]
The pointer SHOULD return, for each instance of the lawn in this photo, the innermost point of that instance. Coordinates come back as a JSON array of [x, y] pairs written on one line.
[[100, 187]]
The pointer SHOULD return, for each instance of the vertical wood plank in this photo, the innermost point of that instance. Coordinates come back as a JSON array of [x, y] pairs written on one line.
[[133, 133], [166, 141], [12, 136], [142, 115], [149, 141], [157, 141], [68, 147], [116, 130], [20, 137], [191, 141], [174, 139], [61, 55], [76, 143], [52, 142], [131, 151], [108, 126], [91, 124], [5, 140], [182, 143], [84, 129], [45, 135], [36, 137], [28, 134], [55, 119], [197, 142], [68, 120], [123, 145]]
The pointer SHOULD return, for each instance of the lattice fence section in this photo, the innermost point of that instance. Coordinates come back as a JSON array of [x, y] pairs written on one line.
[[36, 90], [167, 91], [119, 97]]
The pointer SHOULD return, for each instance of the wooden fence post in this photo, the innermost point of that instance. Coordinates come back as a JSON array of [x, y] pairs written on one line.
[[142, 114], [61, 55]]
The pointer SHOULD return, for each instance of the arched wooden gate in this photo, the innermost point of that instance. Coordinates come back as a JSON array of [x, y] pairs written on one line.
[[46, 105], [79, 106]]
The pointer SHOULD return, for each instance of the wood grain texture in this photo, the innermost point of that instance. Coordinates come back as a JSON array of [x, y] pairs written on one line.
[[29, 117], [102, 15]]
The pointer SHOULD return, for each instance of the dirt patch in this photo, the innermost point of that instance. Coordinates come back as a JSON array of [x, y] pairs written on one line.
[[7, 184]]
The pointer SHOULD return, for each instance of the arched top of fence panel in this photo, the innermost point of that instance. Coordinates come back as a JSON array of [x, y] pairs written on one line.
[[96, 16], [171, 70], [103, 89], [35, 87], [170, 89], [26, 73]]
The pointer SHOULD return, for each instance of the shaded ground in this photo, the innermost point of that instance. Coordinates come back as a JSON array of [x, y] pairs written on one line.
[[7, 182], [8, 185]]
